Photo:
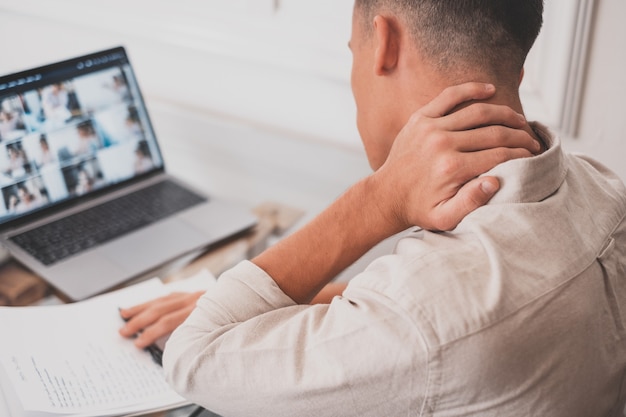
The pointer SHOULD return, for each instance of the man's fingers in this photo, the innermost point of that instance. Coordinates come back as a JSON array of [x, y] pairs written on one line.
[[473, 164], [164, 326], [467, 166], [127, 313], [143, 315], [482, 114], [495, 136], [456, 95], [483, 161], [474, 194]]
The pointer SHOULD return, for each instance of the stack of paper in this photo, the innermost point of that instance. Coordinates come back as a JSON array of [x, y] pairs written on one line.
[[69, 360]]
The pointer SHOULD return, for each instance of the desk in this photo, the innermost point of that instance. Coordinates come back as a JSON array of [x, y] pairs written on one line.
[[188, 411]]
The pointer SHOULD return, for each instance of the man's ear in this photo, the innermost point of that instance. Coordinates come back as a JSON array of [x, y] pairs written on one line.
[[521, 76], [387, 45]]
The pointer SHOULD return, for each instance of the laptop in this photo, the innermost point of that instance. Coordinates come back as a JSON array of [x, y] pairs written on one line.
[[85, 199]]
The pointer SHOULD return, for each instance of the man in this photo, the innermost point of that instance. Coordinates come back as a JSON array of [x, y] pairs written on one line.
[[518, 311]]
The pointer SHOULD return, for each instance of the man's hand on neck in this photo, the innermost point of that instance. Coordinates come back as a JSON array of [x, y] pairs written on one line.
[[428, 180]]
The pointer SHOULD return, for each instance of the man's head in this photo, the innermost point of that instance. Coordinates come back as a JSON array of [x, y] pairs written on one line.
[[406, 51]]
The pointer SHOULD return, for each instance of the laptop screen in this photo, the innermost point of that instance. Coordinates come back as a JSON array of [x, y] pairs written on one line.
[[70, 129]]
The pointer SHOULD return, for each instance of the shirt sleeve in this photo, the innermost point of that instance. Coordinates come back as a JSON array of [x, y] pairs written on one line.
[[248, 349]]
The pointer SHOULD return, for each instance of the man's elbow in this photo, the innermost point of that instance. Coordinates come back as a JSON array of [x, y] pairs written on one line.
[[191, 367], [182, 358], [176, 368]]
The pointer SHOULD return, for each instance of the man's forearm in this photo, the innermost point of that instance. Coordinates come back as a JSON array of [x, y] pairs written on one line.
[[305, 261]]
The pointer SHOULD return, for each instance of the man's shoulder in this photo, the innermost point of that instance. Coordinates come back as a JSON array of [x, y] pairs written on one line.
[[581, 165], [442, 281]]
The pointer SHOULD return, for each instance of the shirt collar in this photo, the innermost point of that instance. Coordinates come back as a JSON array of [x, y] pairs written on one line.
[[531, 179]]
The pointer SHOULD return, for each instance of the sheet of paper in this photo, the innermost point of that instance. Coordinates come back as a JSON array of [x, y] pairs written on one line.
[[203, 280], [70, 360]]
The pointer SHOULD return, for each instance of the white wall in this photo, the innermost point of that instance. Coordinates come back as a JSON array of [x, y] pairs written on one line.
[[602, 128], [287, 70], [190, 68]]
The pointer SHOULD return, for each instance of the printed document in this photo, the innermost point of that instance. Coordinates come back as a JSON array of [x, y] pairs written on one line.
[[69, 360]]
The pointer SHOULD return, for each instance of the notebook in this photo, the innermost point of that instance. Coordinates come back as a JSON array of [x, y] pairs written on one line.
[[85, 199]]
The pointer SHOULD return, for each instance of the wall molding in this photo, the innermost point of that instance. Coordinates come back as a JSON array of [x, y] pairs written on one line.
[[556, 67]]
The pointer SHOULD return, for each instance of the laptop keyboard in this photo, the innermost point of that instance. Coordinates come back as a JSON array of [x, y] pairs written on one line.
[[57, 240]]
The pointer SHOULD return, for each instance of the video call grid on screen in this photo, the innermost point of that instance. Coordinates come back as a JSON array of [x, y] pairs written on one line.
[[69, 129]]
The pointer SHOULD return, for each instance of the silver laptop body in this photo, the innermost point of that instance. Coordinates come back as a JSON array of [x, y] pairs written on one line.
[[77, 147]]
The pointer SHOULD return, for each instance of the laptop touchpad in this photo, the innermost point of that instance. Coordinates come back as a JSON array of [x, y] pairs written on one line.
[[154, 245]]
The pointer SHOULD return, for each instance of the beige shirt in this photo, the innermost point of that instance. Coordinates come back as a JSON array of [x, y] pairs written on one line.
[[520, 311]]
